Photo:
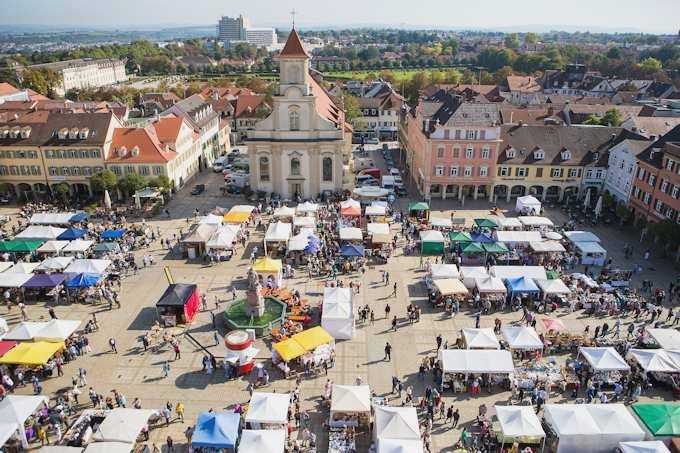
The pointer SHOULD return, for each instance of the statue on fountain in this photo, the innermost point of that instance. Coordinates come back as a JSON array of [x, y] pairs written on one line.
[[254, 300]]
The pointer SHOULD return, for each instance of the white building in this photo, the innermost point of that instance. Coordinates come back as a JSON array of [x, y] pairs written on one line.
[[261, 37], [622, 168], [86, 73], [304, 146], [234, 30]]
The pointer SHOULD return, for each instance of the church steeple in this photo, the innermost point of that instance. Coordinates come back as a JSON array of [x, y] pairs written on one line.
[[293, 47]]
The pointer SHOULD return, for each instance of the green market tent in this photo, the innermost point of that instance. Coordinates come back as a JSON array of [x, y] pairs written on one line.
[[459, 236], [485, 223], [472, 248], [495, 247], [661, 419], [552, 275], [432, 242], [19, 246], [419, 206]]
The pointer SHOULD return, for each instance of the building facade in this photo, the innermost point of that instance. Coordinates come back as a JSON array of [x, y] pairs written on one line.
[[380, 110], [452, 146], [303, 147], [86, 73], [234, 30], [622, 166]]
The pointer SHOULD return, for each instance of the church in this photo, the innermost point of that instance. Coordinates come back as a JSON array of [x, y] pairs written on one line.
[[304, 146]]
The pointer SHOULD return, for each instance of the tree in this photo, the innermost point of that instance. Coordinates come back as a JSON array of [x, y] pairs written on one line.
[[418, 82], [530, 38], [651, 65], [61, 190], [493, 58], [614, 53], [500, 75], [44, 81], [611, 118], [351, 106], [104, 180], [162, 182], [512, 41], [131, 183]]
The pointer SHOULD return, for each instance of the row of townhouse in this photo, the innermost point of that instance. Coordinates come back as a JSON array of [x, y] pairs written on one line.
[[459, 149], [40, 149]]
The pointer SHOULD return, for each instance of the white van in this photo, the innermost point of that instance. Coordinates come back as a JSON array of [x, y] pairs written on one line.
[[218, 165], [388, 182]]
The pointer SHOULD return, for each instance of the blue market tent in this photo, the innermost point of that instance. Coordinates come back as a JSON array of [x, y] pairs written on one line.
[[216, 430], [71, 234], [481, 238], [113, 234], [313, 244], [521, 285], [83, 280], [79, 217], [352, 250]]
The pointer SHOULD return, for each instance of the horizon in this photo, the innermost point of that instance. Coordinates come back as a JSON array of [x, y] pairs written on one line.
[[622, 16]]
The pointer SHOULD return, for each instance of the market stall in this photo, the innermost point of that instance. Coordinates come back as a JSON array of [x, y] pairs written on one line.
[[376, 212], [350, 406], [14, 411], [519, 424], [518, 238], [122, 425], [395, 424], [12, 280], [649, 446], [554, 287], [51, 218], [337, 313], [194, 242], [431, 242], [490, 285], [535, 222], [449, 287], [239, 214], [379, 233], [39, 233], [660, 420], [304, 222], [596, 428], [306, 208], [57, 330], [440, 271], [469, 273], [441, 222], [269, 272], [521, 338], [19, 246], [77, 246], [350, 208], [528, 205], [309, 346], [84, 266], [178, 304], [656, 360], [52, 247], [221, 243], [350, 234], [459, 237], [105, 447], [35, 354], [112, 234], [211, 219], [665, 338], [604, 359], [284, 212], [506, 272], [507, 223], [480, 339], [268, 411], [216, 431], [547, 247], [591, 253], [262, 441], [485, 361], [278, 234], [24, 331], [522, 286], [581, 236], [419, 211]]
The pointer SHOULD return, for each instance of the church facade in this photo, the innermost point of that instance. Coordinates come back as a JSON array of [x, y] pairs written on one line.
[[304, 146]]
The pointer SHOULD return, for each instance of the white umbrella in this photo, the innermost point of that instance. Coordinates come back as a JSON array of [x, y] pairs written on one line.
[[598, 207], [586, 201], [107, 199]]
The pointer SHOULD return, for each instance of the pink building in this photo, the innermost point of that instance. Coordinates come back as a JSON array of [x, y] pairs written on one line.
[[453, 146]]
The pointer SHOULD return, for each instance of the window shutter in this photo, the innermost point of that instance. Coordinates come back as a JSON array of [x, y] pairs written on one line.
[[457, 134]]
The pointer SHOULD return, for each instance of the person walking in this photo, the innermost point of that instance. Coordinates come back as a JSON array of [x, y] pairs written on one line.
[[439, 341], [179, 409], [394, 324], [175, 348], [112, 343], [394, 289], [387, 311], [456, 417], [166, 369], [388, 352]]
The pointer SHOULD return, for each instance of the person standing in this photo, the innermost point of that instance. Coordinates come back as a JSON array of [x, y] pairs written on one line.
[[388, 352], [456, 417], [112, 343], [175, 348], [166, 369], [179, 409], [387, 311]]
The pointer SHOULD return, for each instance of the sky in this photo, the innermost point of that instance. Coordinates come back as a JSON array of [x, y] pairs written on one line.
[[651, 16]]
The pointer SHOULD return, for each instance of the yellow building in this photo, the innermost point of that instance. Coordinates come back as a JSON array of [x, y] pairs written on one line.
[[40, 150]]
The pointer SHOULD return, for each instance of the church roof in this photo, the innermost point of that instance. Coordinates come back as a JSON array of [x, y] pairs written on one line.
[[293, 46]]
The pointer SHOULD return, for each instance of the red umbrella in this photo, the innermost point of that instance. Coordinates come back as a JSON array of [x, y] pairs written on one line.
[[554, 324]]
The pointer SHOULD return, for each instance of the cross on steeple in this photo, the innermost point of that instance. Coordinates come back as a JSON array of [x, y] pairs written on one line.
[[292, 14]]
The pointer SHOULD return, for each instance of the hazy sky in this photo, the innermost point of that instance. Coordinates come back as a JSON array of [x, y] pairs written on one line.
[[643, 15]]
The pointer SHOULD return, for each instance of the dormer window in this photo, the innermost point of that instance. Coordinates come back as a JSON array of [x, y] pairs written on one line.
[[122, 151], [135, 151], [84, 132], [566, 154], [14, 132], [539, 154], [73, 133], [63, 133], [510, 152]]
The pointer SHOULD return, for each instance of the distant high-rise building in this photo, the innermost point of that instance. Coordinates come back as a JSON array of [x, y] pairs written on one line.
[[232, 30]]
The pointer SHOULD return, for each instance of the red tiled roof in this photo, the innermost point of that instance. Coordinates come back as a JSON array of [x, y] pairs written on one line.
[[246, 104], [6, 88], [145, 139], [167, 129], [293, 47]]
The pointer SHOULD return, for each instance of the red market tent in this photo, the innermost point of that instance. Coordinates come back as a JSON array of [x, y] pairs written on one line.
[[178, 304], [5, 346]]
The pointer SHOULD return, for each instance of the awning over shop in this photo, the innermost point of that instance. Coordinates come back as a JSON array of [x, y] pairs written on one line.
[[31, 354], [450, 286]]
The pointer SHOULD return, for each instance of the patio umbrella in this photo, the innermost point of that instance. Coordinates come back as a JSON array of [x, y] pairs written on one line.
[[586, 201], [598, 207], [554, 324], [107, 199]]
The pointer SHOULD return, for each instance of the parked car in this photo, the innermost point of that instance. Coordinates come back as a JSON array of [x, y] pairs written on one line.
[[198, 189], [400, 191], [218, 165]]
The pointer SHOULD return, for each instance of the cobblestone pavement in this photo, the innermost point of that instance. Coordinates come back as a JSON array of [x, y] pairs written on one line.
[[138, 374]]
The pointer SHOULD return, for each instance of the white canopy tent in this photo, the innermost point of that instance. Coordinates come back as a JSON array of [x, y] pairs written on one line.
[[350, 203], [278, 232], [554, 286], [440, 222], [596, 428], [377, 228], [375, 210], [14, 411], [395, 423], [262, 441], [57, 330], [490, 285], [581, 236], [85, 266], [400, 446], [304, 221], [108, 447], [270, 408], [519, 423], [505, 272], [284, 212], [657, 360], [351, 398], [547, 247], [39, 232], [300, 240], [122, 425], [480, 338], [476, 361], [666, 338], [12, 280], [470, 273], [51, 218], [604, 359], [55, 263], [4, 265], [24, 331], [592, 253], [450, 286], [52, 246], [306, 208], [518, 237], [528, 204], [222, 238], [438, 271], [22, 268], [351, 234], [337, 316], [649, 446], [78, 246], [506, 222], [534, 221], [521, 337], [211, 219]]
